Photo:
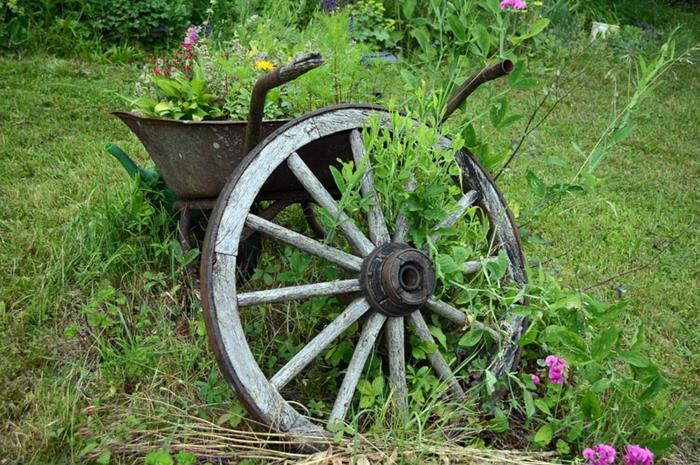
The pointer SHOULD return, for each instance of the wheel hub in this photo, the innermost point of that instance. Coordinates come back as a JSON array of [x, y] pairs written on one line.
[[397, 279]]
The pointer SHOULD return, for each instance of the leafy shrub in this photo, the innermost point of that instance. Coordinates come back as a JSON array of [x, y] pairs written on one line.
[[368, 24], [147, 22]]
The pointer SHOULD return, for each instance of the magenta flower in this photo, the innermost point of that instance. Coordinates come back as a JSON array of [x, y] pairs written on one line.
[[535, 379], [637, 455], [557, 369], [602, 454], [513, 4]]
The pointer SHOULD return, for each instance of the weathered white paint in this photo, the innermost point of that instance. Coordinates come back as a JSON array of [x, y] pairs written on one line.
[[370, 331], [347, 261], [355, 237], [303, 291], [378, 232], [319, 343]]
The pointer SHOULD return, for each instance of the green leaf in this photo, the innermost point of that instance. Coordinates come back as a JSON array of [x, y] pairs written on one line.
[[636, 359], [536, 184], [529, 404], [601, 385], [169, 87], [658, 384], [423, 39], [104, 458], [498, 112], [594, 159], [621, 133], [604, 343], [638, 338], [563, 447], [590, 405], [543, 436], [499, 423], [529, 337], [408, 7], [471, 338], [542, 406], [482, 38], [660, 445], [556, 161], [439, 335], [159, 457], [162, 107], [456, 27], [572, 343], [185, 458], [536, 27]]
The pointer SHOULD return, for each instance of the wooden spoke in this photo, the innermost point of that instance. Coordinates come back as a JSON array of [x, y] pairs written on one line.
[[370, 331], [436, 359], [474, 266], [464, 203], [378, 232], [397, 361], [401, 228], [319, 343], [304, 291], [306, 177], [458, 317], [347, 261]]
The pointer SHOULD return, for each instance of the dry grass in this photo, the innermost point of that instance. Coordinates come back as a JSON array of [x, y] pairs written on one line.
[[181, 431]]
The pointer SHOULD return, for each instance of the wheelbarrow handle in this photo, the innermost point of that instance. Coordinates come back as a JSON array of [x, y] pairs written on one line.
[[275, 78], [471, 83]]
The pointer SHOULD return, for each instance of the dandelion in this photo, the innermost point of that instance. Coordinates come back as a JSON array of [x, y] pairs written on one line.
[[264, 65], [558, 369], [518, 5], [535, 379], [602, 454], [637, 455]]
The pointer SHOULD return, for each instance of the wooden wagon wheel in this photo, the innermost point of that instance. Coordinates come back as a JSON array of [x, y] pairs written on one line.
[[385, 278]]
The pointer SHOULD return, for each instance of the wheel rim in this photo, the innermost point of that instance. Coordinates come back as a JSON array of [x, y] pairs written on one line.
[[407, 276]]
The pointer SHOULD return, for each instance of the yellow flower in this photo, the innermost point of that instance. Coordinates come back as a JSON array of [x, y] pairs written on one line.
[[264, 65]]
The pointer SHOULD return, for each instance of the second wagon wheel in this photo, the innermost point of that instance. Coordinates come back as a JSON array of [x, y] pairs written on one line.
[[297, 345]]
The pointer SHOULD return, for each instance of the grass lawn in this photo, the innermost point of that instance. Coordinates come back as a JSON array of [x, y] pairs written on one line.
[[73, 238]]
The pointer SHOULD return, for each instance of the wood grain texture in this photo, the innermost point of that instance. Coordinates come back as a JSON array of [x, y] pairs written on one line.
[[401, 223], [314, 247], [378, 232], [259, 396], [318, 344], [459, 318], [394, 334], [303, 291], [463, 205], [370, 331], [440, 365], [306, 177]]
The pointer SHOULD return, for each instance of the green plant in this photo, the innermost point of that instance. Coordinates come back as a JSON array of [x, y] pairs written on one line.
[[178, 97], [147, 22], [368, 24]]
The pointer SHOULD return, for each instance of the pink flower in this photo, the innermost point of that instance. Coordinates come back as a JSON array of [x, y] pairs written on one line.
[[557, 369], [514, 4], [191, 37], [638, 455], [535, 379], [602, 454]]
